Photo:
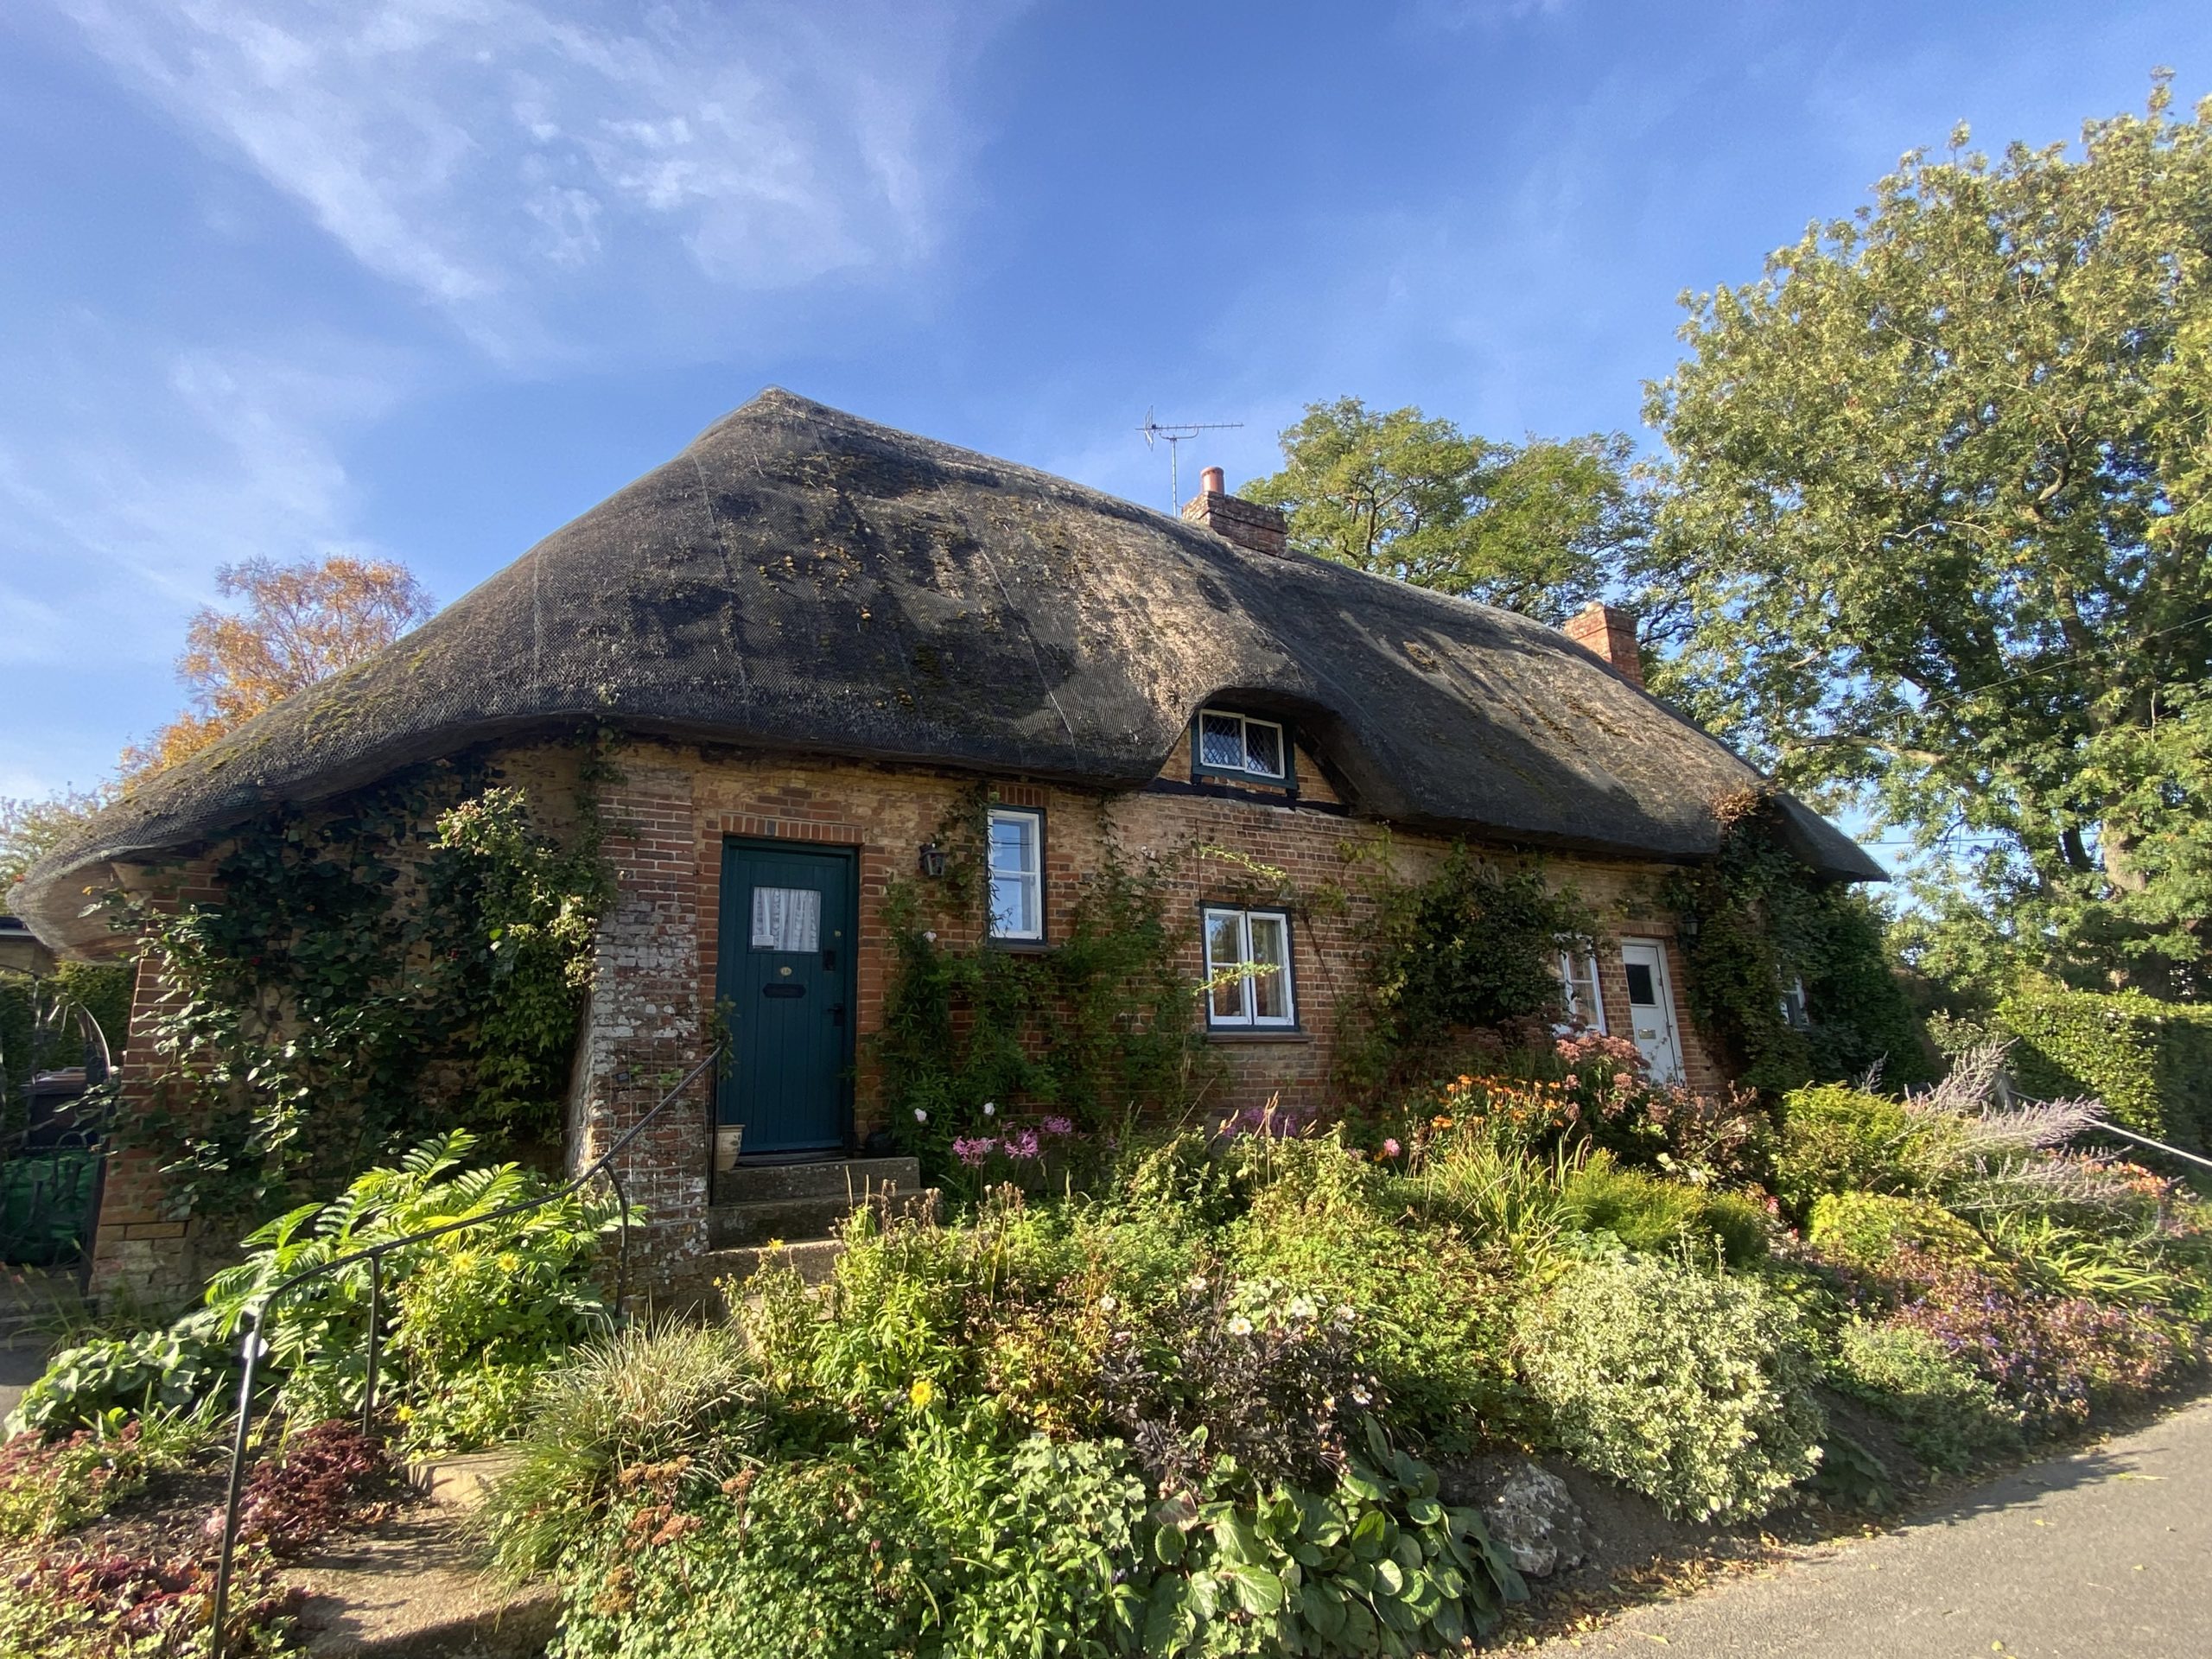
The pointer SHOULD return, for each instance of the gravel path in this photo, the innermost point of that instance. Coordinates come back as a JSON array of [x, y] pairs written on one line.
[[2103, 1555]]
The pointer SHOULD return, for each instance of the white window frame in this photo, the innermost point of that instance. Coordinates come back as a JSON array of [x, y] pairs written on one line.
[[1249, 1019], [1031, 880], [1796, 1013], [1577, 988], [1245, 722]]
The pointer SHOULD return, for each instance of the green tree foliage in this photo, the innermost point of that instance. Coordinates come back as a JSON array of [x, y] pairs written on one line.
[[31, 828], [1533, 527], [1937, 541]]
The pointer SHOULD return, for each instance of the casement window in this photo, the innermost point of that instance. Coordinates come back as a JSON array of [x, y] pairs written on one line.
[[1795, 1015], [1248, 970], [1239, 746], [1584, 1002], [1017, 858]]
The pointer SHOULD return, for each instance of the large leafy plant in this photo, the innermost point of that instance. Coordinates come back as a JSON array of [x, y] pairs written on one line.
[[470, 1314]]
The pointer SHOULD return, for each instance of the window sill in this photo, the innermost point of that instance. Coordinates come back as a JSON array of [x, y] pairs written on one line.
[[1275, 1034], [1020, 947]]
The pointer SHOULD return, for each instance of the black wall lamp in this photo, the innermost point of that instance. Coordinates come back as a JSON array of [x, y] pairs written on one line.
[[931, 859]]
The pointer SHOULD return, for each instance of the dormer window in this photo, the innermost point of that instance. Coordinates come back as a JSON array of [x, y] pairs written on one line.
[[1239, 746]]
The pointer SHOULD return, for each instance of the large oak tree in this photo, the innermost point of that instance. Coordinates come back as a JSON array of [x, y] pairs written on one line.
[[1535, 527], [1936, 543]]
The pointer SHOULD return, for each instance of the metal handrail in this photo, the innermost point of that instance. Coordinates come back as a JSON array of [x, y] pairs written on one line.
[[253, 1319]]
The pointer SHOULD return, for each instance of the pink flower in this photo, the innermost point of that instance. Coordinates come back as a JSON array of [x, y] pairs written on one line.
[[1391, 1148], [1021, 1145], [1058, 1126], [973, 1152]]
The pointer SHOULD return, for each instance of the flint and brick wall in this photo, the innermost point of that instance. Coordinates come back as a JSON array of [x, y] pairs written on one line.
[[649, 1015]]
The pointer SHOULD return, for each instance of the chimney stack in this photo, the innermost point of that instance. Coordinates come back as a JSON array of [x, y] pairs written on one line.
[[1262, 530], [1611, 634]]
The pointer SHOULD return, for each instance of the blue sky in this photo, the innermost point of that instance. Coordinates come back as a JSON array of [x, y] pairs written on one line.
[[426, 279]]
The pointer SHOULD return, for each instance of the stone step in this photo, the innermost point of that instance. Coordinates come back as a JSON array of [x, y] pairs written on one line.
[[833, 1177], [793, 1220], [814, 1259]]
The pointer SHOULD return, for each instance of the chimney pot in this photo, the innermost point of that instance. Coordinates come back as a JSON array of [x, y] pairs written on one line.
[[1262, 530], [1609, 633]]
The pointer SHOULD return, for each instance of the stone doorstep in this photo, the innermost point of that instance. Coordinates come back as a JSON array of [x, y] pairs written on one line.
[[762, 1222], [849, 1179], [814, 1259]]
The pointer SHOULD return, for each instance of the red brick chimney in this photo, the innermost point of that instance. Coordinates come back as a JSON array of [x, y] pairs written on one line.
[[1248, 524], [1611, 634]]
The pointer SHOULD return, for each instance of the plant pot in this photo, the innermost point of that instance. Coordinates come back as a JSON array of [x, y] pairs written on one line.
[[729, 1141]]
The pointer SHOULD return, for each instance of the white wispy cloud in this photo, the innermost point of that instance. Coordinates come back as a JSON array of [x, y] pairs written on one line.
[[516, 162]]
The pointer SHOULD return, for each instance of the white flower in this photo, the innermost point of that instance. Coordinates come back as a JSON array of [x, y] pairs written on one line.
[[1239, 1326], [1360, 1396], [1107, 1304], [1300, 1308], [990, 1108], [930, 933], [1196, 1281], [920, 1117]]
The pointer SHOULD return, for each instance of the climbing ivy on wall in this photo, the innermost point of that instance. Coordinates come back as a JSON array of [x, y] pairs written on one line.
[[1763, 917], [1098, 1025], [1469, 956], [408, 958]]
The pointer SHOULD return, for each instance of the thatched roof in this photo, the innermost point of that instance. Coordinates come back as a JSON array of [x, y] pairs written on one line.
[[801, 580]]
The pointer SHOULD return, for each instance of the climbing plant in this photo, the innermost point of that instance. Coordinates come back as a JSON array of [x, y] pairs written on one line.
[[1100, 1025], [1760, 919], [384, 967], [1474, 949]]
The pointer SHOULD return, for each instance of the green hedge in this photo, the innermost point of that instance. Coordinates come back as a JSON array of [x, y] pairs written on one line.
[[2149, 1062]]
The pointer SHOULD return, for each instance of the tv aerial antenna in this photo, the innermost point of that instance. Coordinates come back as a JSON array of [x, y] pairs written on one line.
[[1173, 434]]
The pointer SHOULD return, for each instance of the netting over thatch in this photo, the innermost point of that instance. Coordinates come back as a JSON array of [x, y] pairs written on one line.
[[798, 579]]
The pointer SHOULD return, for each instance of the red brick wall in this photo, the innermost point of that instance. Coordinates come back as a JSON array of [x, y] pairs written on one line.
[[649, 1015]]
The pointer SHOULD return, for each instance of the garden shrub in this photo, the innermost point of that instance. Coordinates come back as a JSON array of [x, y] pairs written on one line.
[[1837, 1140], [2054, 1358], [1689, 1386], [471, 1316], [657, 1394], [944, 1545], [295, 1500], [152, 1370], [71, 1604], [1864, 1229], [1648, 1213], [1271, 1380], [1947, 1414], [2149, 1062], [1433, 1302], [1376, 1565], [48, 1486]]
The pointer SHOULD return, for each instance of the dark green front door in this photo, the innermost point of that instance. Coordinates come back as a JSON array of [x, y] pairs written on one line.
[[786, 985]]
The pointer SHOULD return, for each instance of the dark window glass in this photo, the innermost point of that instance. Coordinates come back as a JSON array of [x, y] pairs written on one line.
[[1640, 988]]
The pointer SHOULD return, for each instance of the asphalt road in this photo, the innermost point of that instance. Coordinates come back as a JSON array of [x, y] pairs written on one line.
[[2103, 1555]]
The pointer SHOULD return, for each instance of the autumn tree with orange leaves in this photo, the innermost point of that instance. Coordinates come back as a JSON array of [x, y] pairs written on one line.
[[298, 624]]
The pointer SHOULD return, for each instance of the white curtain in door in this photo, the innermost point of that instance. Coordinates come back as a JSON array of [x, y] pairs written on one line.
[[786, 919]]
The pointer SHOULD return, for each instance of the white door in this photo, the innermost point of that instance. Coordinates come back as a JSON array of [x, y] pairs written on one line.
[[1651, 1008]]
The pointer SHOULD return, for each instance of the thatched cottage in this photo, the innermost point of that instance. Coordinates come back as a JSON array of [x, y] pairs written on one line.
[[816, 635]]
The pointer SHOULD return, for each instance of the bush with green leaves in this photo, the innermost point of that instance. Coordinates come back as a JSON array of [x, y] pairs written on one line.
[[1835, 1139], [49, 1486], [1649, 1213], [1948, 1416], [1377, 1566], [173, 1370], [1432, 1298], [933, 1540], [1687, 1385], [1862, 1229]]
